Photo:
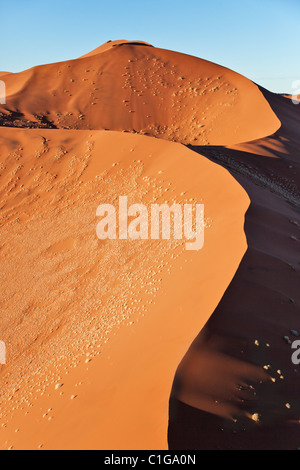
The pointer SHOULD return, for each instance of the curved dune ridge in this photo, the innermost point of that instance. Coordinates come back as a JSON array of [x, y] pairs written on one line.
[[95, 330], [105, 322]]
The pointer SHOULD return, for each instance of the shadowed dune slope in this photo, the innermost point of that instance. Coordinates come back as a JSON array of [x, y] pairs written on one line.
[[240, 367]]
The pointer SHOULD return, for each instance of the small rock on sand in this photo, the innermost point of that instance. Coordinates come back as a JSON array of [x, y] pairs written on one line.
[[256, 417]]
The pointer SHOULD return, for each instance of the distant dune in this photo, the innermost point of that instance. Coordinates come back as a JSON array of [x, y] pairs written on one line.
[[100, 334], [134, 87]]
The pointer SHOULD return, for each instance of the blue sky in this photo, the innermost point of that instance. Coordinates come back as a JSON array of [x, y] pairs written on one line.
[[257, 38]]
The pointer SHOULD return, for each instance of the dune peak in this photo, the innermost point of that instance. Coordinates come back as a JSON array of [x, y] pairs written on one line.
[[110, 44]]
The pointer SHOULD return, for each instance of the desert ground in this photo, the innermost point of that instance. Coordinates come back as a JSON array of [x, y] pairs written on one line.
[[140, 344]]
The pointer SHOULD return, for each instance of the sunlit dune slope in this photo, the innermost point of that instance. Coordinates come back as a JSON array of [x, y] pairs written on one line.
[[136, 88], [95, 329]]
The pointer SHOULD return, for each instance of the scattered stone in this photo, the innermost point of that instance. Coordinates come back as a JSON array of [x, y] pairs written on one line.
[[256, 417], [295, 333]]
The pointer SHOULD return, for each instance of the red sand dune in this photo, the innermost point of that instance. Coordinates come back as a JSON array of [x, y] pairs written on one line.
[[139, 88], [96, 330], [49, 207], [240, 365]]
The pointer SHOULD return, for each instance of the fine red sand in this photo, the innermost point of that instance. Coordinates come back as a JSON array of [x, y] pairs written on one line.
[[95, 331], [131, 308]]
